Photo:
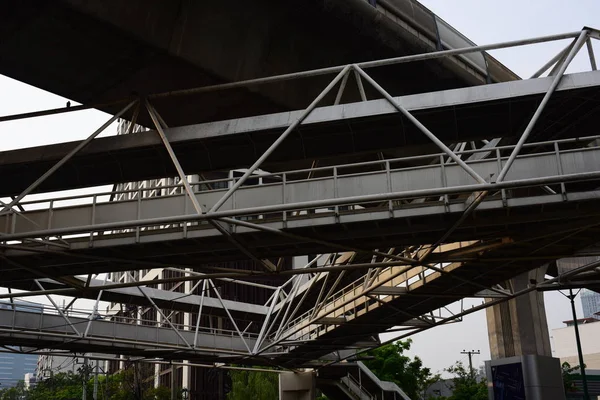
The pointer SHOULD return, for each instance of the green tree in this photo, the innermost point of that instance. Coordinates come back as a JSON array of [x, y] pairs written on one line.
[[389, 363], [58, 387], [68, 386], [253, 385], [159, 393], [465, 385], [13, 393], [568, 378]]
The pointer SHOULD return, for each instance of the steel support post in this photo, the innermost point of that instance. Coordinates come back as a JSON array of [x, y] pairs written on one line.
[[319, 306], [229, 315], [590, 50], [204, 290], [62, 314], [158, 122], [164, 317], [285, 319], [571, 297], [361, 88], [180, 172], [279, 140], [66, 158], [561, 59], [265, 324], [420, 126], [341, 89], [293, 314], [577, 45], [136, 113], [95, 309]]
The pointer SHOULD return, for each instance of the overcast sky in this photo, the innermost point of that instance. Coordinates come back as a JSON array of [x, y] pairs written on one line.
[[483, 21]]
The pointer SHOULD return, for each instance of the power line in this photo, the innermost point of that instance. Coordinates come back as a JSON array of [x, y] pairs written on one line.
[[470, 354]]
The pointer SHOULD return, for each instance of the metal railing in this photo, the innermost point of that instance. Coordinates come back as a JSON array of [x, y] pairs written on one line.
[[347, 302], [82, 318], [285, 211]]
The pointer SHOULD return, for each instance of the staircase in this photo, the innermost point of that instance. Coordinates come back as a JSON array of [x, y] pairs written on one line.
[[354, 381]]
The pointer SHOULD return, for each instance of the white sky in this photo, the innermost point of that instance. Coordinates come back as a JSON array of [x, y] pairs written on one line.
[[483, 21]]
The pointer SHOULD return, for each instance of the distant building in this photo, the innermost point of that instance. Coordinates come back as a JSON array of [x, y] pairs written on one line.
[[441, 388], [565, 346], [14, 366], [30, 380], [590, 301]]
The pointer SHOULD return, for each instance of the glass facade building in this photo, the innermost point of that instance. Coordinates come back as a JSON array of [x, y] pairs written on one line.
[[13, 366], [590, 302]]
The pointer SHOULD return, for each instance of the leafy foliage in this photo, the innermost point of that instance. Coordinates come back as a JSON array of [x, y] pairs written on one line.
[[69, 386], [568, 379], [254, 385], [465, 385], [389, 363], [13, 393]]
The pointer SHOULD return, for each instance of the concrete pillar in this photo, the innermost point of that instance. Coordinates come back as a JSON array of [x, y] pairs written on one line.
[[519, 327], [297, 386], [530, 377]]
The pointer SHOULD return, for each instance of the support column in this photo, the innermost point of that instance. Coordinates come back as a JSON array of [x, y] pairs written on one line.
[[519, 326], [187, 321], [297, 386], [157, 366]]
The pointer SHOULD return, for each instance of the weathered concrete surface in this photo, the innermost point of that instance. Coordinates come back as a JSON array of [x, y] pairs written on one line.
[[99, 51], [519, 327]]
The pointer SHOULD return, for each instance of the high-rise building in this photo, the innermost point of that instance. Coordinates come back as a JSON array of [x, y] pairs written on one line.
[[13, 366], [590, 302]]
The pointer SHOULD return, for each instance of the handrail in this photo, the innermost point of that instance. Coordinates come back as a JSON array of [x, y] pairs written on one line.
[[85, 316], [361, 388], [95, 197], [350, 288]]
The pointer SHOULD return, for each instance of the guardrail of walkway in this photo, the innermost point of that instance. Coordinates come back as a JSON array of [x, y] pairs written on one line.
[[286, 211]]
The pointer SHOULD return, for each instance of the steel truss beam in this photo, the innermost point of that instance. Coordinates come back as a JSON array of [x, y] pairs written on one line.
[[374, 269]]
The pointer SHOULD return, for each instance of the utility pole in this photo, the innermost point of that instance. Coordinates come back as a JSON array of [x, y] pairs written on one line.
[[586, 394], [95, 396], [173, 383], [85, 376], [470, 353]]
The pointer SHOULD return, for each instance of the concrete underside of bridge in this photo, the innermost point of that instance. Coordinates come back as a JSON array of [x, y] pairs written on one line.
[[99, 52]]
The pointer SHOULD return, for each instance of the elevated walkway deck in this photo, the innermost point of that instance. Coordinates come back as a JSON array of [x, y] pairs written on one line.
[[364, 205], [41, 330]]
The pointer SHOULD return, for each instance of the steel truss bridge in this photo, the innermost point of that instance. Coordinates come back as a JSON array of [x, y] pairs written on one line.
[[472, 186]]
